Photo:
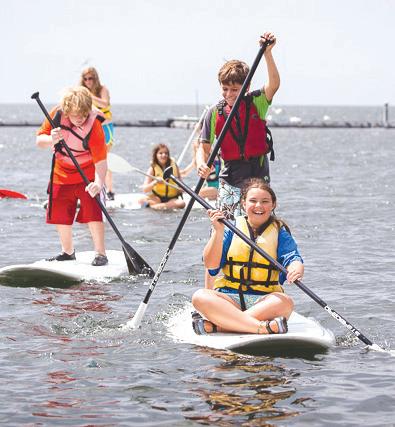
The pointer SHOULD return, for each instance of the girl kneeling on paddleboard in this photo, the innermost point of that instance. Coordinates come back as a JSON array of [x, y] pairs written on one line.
[[248, 297], [161, 194]]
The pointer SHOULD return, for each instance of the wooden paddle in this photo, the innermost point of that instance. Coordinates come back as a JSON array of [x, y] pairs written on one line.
[[136, 321], [11, 194], [168, 173], [135, 262]]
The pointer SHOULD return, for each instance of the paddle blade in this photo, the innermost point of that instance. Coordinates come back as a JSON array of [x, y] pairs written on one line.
[[136, 264], [11, 194], [167, 172], [137, 318], [118, 164]]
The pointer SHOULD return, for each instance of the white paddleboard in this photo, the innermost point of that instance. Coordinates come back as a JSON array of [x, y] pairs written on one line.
[[130, 201], [63, 273], [125, 201], [305, 336]]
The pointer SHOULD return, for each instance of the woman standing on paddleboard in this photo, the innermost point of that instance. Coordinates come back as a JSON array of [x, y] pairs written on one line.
[[248, 297], [101, 102]]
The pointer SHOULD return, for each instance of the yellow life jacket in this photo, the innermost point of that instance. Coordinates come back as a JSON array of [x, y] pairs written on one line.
[[106, 112], [160, 189], [245, 269]]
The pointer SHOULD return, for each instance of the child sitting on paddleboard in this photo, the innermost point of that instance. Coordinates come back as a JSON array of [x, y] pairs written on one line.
[[248, 297], [81, 129], [247, 142], [161, 194]]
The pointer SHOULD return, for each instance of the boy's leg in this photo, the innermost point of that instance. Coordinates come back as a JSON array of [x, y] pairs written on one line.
[[91, 214], [64, 205], [66, 237], [229, 200], [96, 229]]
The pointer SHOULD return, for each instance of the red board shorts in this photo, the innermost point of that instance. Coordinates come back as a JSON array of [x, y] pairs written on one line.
[[64, 205]]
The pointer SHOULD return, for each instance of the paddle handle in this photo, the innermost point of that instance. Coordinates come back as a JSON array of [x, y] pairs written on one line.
[[168, 173]]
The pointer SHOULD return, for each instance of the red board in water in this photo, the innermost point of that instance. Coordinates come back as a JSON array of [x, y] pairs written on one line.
[[11, 194]]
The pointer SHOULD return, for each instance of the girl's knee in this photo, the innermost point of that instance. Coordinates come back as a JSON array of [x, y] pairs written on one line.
[[285, 301], [288, 304], [201, 298], [197, 297]]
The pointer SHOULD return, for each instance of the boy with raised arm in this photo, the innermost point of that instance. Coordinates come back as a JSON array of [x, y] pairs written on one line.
[[247, 141]]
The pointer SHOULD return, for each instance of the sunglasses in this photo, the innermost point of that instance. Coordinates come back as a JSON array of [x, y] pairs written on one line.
[[88, 78]]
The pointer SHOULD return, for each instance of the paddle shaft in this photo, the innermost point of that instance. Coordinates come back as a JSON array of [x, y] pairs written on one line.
[[195, 129], [112, 159], [135, 322], [274, 262], [125, 246], [155, 178]]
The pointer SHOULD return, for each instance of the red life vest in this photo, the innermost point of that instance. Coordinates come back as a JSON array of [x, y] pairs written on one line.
[[247, 135], [76, 138]]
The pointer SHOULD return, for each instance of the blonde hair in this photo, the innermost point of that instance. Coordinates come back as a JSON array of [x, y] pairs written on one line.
[[76, 100], [97, 86], [233, 72]]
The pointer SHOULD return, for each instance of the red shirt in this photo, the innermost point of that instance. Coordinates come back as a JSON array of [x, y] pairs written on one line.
[[97, 148]]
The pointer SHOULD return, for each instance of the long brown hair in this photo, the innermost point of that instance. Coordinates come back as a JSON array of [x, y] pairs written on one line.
[[97, 86], [154, 160], [262, 185]]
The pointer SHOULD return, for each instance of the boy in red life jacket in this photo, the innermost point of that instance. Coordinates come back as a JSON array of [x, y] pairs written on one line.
[[81, 129], [245, 146]]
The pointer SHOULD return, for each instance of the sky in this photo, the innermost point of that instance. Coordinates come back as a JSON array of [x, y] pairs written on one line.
[[333, 52]]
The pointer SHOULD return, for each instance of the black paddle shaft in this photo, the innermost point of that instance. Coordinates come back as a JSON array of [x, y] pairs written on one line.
[[135, 262], [168, 173]]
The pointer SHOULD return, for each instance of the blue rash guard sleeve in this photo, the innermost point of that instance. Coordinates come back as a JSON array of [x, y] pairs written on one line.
[[228, 236], [287, 251]]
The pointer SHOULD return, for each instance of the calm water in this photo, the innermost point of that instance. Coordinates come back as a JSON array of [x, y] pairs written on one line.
[[63, 360]]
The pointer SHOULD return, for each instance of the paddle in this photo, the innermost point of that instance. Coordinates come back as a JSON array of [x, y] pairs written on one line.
[[136, 321], [11, 194], [168, 173], [196, 128], [119, 165], [135, 262]]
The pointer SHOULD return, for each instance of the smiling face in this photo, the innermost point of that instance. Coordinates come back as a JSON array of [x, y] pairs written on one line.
[[258, 205], [230, 92], [162, 156]]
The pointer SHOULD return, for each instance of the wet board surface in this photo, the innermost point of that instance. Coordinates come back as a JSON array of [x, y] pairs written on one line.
[[304, 337], [63, 273]]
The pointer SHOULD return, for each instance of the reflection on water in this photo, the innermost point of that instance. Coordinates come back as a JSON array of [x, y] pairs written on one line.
[[245, 391]]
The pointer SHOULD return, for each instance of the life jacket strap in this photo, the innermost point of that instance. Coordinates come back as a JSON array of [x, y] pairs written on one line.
[[241, 137]]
